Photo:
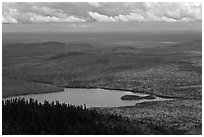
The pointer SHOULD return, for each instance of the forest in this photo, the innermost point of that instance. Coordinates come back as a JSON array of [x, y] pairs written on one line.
[[23, 117]]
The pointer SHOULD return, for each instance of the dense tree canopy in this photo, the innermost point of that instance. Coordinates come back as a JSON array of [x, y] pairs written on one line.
[[30, 117]]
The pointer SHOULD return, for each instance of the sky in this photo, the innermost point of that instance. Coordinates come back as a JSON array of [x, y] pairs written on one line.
[[95, 12]]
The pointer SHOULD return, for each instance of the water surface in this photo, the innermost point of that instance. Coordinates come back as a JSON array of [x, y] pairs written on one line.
[[90, 97]]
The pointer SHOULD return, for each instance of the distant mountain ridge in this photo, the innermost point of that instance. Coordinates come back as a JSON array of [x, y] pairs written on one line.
[[193, 45], [50, 43]]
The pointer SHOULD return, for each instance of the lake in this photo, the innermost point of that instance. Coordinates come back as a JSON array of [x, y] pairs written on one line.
[[90, 97]]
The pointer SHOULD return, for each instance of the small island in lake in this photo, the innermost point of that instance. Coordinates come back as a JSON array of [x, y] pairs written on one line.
[[135, 97]]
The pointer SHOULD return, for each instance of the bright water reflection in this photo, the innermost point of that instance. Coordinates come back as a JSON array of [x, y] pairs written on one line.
[[90, 97]]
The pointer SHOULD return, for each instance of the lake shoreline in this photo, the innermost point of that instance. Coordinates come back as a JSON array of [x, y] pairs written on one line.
[[94, 97], [104, 88], [129, 90], [3, 97]]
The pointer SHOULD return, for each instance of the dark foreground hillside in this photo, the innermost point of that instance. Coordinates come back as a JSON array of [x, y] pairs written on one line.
[[31, 117]]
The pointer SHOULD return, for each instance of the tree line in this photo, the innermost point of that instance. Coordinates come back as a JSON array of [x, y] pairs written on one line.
[[20, 116]]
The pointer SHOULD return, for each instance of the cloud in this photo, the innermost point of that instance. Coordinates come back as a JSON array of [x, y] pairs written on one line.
[[37, 15], [101, 18], [173, 11], [4, 20], [166, 12], [101, 12], [123, 18], [120, 18], [40, 18], [130, 17], [94, 4], [166, 19], [127, 18], [9, 18], [46, 11]]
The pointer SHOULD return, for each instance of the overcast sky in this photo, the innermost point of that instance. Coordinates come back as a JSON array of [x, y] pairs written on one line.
[[101, 12]]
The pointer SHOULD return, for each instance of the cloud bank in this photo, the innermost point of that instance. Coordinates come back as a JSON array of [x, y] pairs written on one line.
[[95, 4], [101, 12], [168, 12], [37, 14]]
